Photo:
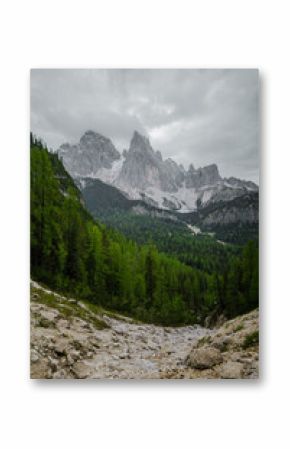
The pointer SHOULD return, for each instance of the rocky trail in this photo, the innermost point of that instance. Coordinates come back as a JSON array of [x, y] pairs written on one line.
[[74, 339]]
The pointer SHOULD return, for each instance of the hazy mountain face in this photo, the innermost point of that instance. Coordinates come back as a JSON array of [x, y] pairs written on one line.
[[144, 168], [142, 173], [93, 153], [202, 177]]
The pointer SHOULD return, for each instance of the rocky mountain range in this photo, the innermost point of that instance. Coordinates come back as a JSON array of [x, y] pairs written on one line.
[[141, 173]]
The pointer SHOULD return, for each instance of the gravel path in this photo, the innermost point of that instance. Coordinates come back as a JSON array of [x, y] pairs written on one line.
[[74, 340], [74, 347]]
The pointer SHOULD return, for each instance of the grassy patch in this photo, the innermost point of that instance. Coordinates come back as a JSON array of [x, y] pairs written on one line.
[[68, 310], [239, 328], [43, 322], [203, 341], [251, 340], [100, 311]]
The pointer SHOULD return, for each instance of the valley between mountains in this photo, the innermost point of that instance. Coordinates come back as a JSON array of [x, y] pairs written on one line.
[[140, 268]]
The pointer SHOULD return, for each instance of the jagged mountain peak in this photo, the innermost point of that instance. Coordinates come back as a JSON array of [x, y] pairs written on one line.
[[159, 155], [204, 176], [212, 170], [171, 162], [93, 153], [92, 133], [145, 168], [211, 166], [92, 136], [140, 143], [138, 136], [97, 141]]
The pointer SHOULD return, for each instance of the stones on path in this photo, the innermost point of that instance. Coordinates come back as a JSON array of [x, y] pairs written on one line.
[[202, 358], [34, 356], [82, 370], [70, 347], [232, 370]]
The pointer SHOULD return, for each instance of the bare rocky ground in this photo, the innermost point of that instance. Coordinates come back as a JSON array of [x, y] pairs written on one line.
[[74, 339]]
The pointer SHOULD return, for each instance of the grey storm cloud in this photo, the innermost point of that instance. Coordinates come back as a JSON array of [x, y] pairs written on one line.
[[194, 116]]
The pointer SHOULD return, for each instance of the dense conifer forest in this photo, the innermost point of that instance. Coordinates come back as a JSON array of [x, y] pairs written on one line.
[[176, 283], [172, 237]]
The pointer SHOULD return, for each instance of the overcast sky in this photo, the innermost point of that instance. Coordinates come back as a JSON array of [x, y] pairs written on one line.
[[193, 116]]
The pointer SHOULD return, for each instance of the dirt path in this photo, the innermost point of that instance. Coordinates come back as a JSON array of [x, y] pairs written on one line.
[[141, 351], [70, 346]]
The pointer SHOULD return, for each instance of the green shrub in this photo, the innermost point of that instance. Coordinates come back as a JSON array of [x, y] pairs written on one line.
[[251, 340]]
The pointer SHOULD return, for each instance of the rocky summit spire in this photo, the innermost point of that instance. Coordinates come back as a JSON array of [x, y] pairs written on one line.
[[140, 143], [93, 153], [144, 168]]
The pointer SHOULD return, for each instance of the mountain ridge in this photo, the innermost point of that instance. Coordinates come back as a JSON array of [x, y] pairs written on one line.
[[141, 173]]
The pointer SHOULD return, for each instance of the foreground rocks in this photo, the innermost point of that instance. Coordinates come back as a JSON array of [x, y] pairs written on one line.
[[231, 352], [71, 339]]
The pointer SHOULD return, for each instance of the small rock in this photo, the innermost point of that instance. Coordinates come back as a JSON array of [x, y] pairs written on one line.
[[75, 355], [61, 374], [70, 360], [81, 370], [34, 357], [61, 347], [53, 363], [40, 370], [231, 370]]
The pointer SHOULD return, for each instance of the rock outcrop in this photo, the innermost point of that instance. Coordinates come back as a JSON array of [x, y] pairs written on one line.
[[202, 358], [206, 176], [90, 156], [231, 352], [144, 168]]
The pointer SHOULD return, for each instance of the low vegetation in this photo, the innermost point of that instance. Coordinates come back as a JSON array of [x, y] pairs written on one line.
[[251, 340], [68, 309]]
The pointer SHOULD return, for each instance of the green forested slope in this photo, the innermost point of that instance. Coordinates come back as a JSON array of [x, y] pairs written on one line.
[[174, 238], [72, 253]]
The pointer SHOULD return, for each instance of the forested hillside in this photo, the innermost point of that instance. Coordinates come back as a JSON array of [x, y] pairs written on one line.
[[235, 221], [72, 253], [174, 238]]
